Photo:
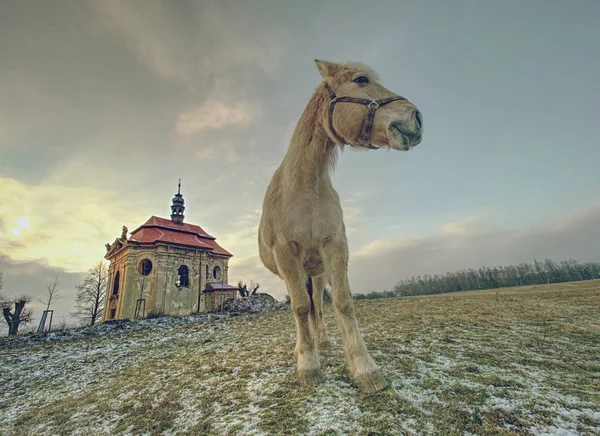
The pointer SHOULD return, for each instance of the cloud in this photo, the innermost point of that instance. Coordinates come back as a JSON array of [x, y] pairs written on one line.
[[464, 226], [471, 243], [242, 234], [206, 40], [467, 243], [63, 226], [145, 30], [214, 114]]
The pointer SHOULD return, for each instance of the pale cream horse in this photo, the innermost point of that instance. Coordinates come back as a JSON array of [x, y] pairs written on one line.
[[302, 237]]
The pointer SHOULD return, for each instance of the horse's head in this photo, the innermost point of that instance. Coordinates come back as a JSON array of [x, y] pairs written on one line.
[[363, 113]]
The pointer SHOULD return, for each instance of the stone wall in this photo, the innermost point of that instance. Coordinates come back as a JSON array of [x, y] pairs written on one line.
[[215, 299]]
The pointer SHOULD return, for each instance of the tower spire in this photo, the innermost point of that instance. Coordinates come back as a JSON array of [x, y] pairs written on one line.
[[177, 208]]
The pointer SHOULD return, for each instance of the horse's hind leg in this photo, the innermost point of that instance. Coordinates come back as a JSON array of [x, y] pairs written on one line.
[[318, 286]]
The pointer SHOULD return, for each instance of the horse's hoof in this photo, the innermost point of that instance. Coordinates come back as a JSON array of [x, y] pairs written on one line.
[[371, 382], [310, 377]]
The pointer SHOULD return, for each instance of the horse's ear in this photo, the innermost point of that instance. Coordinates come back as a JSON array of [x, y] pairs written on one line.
[[327, 69]]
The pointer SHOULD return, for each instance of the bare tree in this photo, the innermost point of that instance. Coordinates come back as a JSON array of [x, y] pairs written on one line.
[[18, 315], [89, 302], [52, 293], [3, 301]]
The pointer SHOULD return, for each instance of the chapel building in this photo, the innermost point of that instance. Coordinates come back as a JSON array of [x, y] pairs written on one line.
[[166, 267]]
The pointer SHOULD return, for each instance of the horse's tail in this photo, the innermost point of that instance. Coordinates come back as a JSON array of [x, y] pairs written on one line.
[[312, 313]]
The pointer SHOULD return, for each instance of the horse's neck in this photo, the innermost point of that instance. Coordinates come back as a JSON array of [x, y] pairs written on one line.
[[311, 153]]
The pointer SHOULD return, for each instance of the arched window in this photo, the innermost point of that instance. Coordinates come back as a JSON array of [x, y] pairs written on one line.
[[217, 273], [145, 267], [182, 276], [116, 283]]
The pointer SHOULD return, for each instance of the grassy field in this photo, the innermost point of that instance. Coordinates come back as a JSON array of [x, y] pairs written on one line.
[[509, 361]]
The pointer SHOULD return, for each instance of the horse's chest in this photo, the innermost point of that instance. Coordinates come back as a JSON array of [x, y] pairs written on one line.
[[316, 217]]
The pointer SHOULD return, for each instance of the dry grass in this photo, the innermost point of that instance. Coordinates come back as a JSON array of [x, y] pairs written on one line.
[[513, 361]]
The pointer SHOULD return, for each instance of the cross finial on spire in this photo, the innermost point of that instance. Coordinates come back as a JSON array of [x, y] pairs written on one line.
[[179, 186]]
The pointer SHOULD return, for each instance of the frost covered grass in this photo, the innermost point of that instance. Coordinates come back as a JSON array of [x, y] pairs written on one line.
[[513, 361]]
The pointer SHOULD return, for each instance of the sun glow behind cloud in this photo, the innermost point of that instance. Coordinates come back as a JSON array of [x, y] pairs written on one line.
[[62, 226], [22, 224]]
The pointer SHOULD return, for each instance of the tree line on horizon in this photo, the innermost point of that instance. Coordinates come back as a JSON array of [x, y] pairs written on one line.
[[523, 274]]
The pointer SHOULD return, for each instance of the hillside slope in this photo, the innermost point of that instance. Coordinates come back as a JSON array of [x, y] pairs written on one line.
[[491, 362]]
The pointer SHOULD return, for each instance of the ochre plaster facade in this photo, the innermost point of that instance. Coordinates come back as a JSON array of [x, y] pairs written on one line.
[[171, 247]]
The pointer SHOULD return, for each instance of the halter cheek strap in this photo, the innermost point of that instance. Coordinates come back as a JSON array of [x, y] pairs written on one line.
[[372, 106]]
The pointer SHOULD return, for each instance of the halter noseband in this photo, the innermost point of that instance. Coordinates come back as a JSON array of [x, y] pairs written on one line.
[[372, 105]]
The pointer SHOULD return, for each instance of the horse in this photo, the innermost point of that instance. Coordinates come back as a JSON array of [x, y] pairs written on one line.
[[302, 237]]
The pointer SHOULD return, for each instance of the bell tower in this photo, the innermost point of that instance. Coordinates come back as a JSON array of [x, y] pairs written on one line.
[[177, 208]]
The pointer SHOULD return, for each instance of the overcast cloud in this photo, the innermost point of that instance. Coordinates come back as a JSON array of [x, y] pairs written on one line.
[[104, 105]]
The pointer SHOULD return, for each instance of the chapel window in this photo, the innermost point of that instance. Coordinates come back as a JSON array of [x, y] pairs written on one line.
[[182, 276], [116, 283], [145, 267]]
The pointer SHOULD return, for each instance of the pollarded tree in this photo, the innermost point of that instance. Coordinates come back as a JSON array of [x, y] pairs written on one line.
[[14, 311], [18, 315], [91, 293], [246, 291]]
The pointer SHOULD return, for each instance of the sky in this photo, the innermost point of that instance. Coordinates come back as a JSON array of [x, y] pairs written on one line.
[[104, 105]]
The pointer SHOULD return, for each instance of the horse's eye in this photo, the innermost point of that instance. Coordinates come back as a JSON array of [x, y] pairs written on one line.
[[361, 80]]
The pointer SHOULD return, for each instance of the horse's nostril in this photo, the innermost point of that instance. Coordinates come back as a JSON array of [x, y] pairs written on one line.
[[419, 119]]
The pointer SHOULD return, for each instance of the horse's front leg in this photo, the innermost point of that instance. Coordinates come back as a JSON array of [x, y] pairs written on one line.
[[309, 368], [361, 365]]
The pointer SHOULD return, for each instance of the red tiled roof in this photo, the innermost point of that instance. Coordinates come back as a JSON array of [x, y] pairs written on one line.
[[156, 221], [158, 229]]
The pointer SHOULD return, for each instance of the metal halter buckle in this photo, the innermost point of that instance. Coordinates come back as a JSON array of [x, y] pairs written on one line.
[[373, 104]]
